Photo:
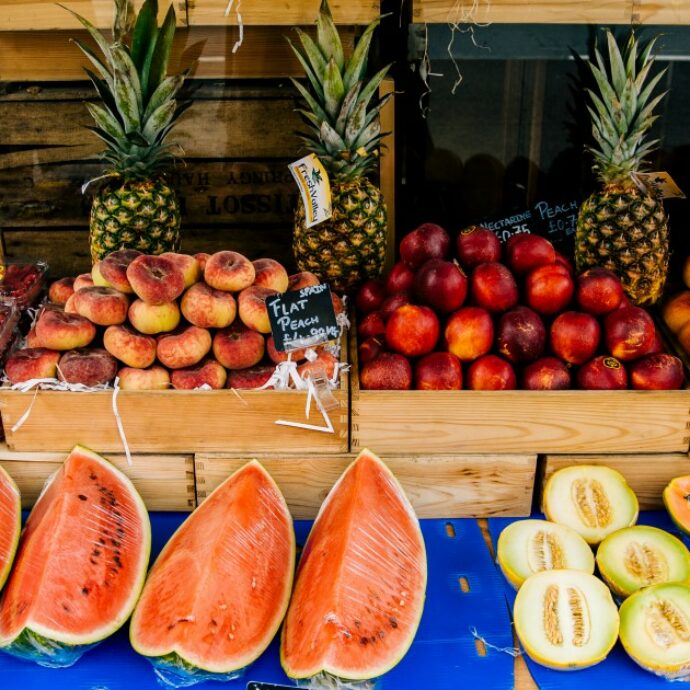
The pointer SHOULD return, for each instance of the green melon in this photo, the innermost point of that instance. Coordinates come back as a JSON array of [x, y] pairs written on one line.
[[218, 592], [655, 629], [639, 556], [361, 581], [565, 619], [591, 499], [10, 523], [80, 566], [526, 547]]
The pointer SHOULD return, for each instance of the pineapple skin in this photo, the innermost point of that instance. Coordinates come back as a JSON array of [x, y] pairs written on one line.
[[350, 247], [128, 214], [626, 231]]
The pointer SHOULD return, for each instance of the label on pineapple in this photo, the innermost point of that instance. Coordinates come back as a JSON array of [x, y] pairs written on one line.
[[315, 188], [658, 184], [302, 318]]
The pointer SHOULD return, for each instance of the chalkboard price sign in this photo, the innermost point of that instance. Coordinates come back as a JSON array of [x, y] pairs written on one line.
[[302, 318], [556, 220]]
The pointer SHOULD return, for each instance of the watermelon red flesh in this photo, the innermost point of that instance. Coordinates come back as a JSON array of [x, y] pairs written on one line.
[[82, 556], [10, 523], [361, 580], [219, 590]]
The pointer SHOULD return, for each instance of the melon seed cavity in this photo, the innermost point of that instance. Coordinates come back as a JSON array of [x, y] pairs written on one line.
[[666, 624], [591, 502], [545, 552], [645, 563]]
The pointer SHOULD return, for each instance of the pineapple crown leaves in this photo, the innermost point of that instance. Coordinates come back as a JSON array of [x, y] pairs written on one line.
[[622, 111], [341, 113], [138, 100]]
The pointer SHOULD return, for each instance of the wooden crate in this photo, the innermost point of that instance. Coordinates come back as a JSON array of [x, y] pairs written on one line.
[[165, 482], [519, 12], [517, 421], [646, 474], [172, 421], [439, 486]]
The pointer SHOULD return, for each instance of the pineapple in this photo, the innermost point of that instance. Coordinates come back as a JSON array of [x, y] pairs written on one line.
[[134, 207], [345, 134], [621, 227]]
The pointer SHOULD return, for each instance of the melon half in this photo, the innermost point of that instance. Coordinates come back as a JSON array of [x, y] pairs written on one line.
[[219, 590], [361, 581], [10, 523], [565, 619], [80, 566]]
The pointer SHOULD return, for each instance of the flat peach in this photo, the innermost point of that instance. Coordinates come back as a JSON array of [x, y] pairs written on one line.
[[155, 378], [113, 268], [255, 377], [238, 347], [183, 348], [58, 330], [32, 363], [229, 271], [201, 259], [101, 305], [297, 281], [271, 274], [61, 290], [277, 357], [191, 270], [155, 279], [131, 348], [152, 319], [325, 363], [83, 280], [32, 340], [97, 276], [89, 367], [208, 372], [252, 308], [71, 305], [208, 308]]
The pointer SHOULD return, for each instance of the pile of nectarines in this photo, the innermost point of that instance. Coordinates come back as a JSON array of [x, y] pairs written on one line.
[[676, 311], [503, 317], [160, 321]]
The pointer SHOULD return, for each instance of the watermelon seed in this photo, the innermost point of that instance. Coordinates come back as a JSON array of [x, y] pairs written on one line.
[[171, 626], [93, 562], [357, 624], [117, 560], [85, 591], [65, 607], [382, 634], [393, 622], [101, 541], [81, 497], [115, 542], [93, 477], [363, 640], [214, 621], [96, 552]]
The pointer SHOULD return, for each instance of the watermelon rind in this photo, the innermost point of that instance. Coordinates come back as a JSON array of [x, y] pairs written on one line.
[[59, 649], [180, 670], [331, 676], [5, 572]]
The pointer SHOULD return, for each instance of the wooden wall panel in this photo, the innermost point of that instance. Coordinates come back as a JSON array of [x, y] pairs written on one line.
[[286, 13], [661, 12], [32, 15], [520, 12]]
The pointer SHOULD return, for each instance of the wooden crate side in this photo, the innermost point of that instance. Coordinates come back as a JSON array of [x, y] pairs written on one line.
[[170, 421], [661, 12], [29, 15], [646, 474], [165, 482], [438, 486], [519, 12], [286, 13]]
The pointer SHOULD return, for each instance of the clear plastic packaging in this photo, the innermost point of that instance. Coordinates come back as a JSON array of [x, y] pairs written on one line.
[[9, 319], [23, 282]]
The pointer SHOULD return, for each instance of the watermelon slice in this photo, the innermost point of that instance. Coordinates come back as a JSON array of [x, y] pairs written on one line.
[[218, 592], [81, 563], [10, 523], [361, 581]]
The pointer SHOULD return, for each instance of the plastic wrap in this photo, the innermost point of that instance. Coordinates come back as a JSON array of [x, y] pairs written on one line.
[[81, 563], [360, 585], [23, 282], [218, 592]]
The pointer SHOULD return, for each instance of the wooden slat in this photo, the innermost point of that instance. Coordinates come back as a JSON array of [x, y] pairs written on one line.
[[517, 421], [285, 13], [646, 474], [438, 486], [387, 166], [171, 421], [165, 482], [28, 15], [661, 12], [49, 55], [519, 12]]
